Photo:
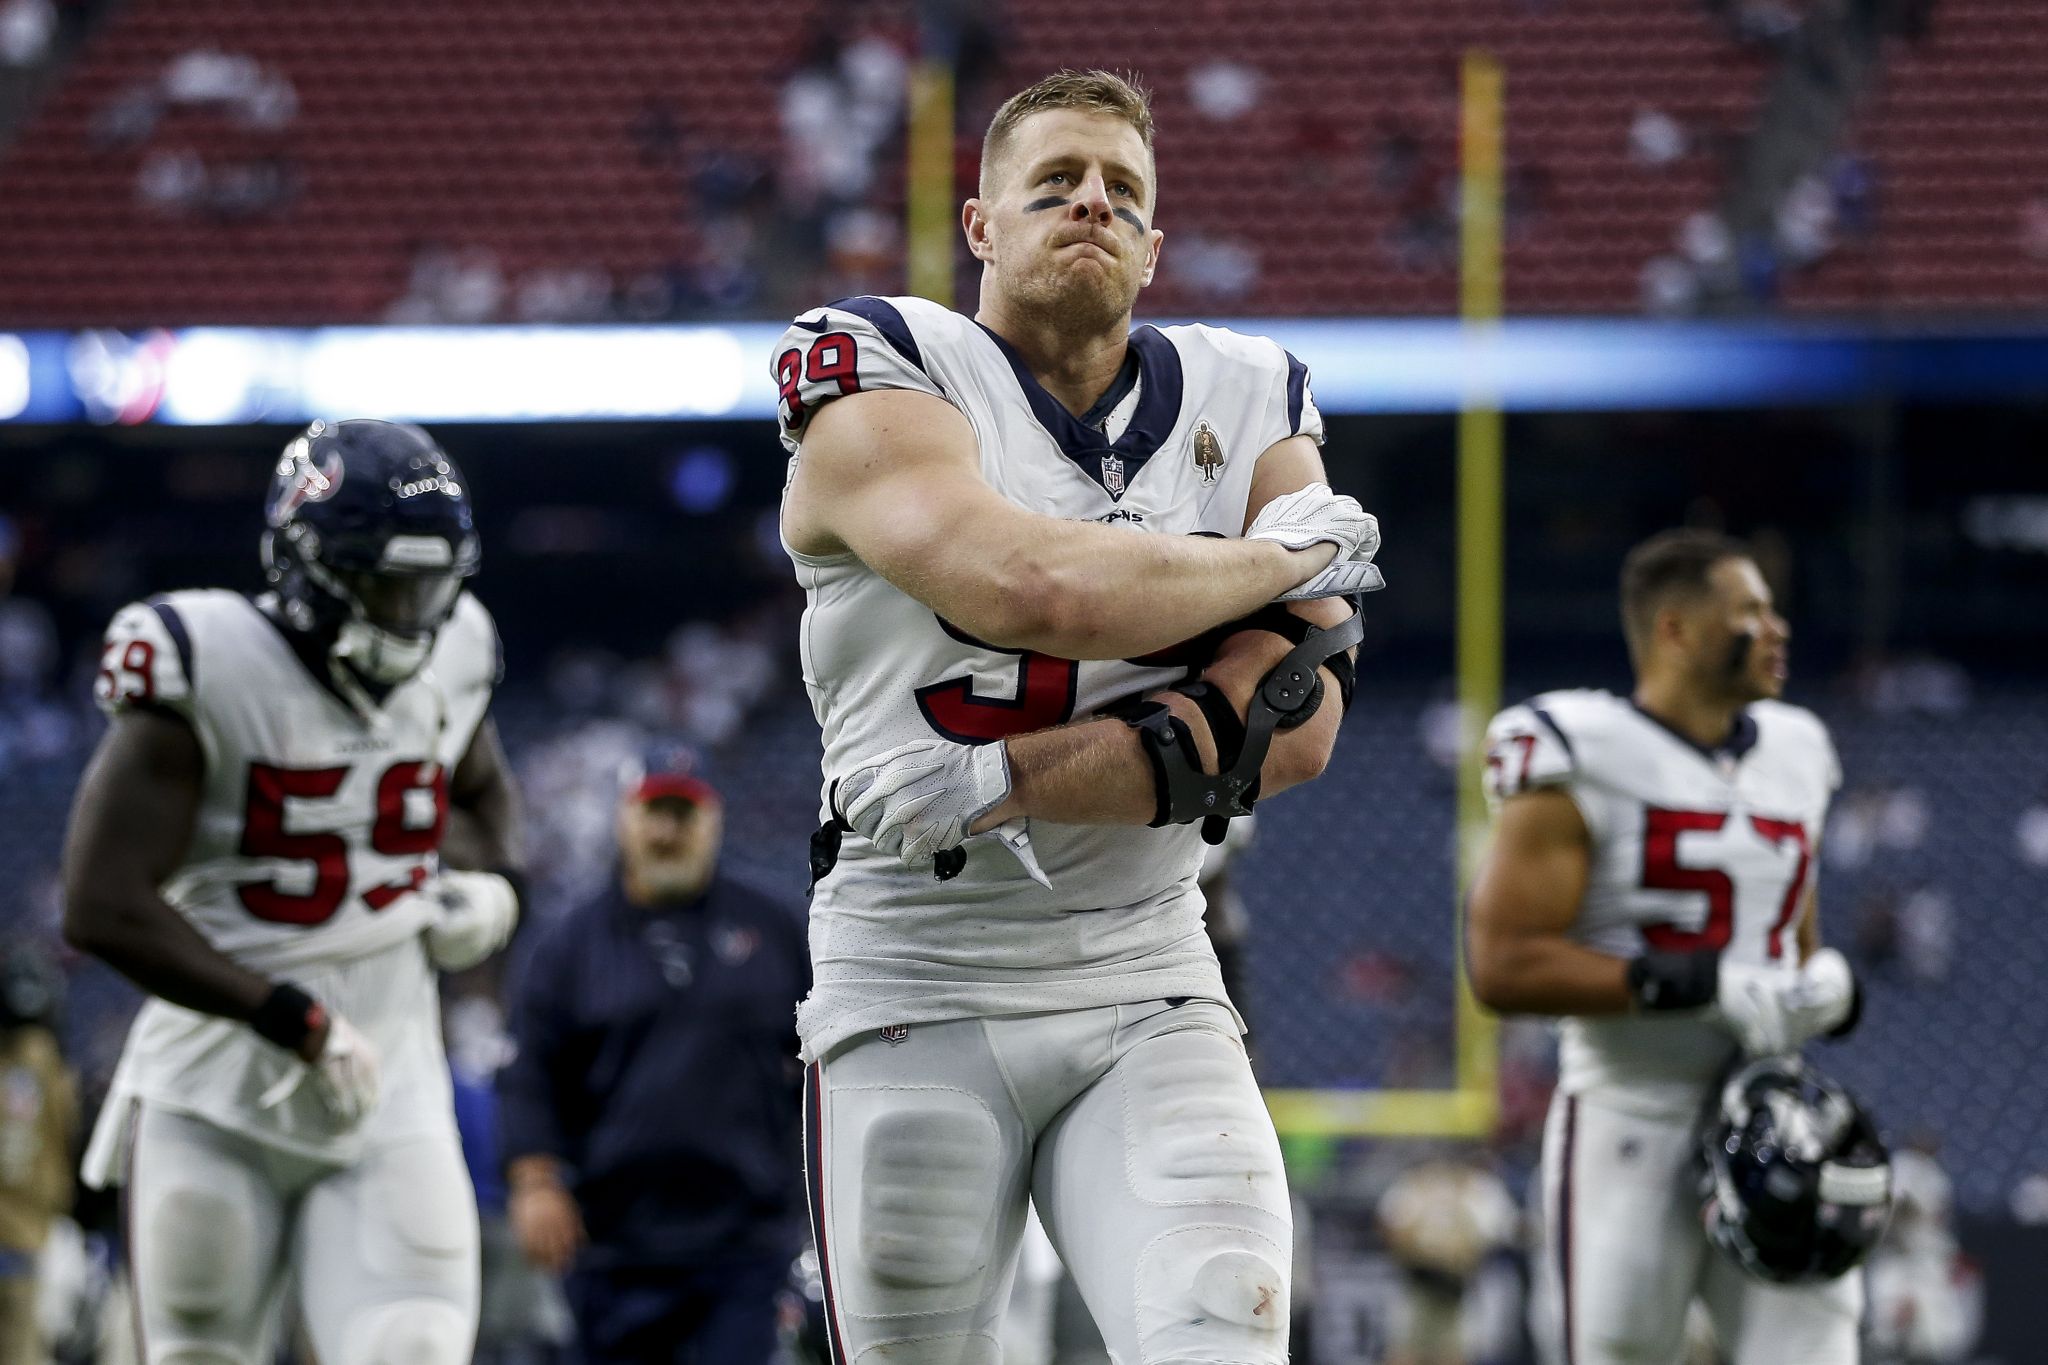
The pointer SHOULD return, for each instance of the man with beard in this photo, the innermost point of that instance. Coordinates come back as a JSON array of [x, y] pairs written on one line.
[[1651, 880], [650, 1114], [1043, 553]]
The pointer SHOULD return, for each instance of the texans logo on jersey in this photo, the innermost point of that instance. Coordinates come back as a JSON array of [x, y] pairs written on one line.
[[308, 482]]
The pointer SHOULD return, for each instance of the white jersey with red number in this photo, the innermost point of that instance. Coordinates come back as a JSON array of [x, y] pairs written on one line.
[[1690, 850], [316, 827], [1169, 450]]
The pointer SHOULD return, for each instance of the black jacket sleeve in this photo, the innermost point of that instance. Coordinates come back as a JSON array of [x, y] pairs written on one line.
[[535, 1091]]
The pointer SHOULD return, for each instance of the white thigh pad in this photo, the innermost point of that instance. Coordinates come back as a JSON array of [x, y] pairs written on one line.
[[1198, 1131], [201, 1259], [388, 1258], [930, 1178], [416, 1213]]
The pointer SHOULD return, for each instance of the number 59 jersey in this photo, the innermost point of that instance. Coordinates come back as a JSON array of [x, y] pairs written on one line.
[[1690, 850], [1169, 449], [315, 828]]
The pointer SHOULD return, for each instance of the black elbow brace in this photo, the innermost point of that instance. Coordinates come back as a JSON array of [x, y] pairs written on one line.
[[1284, 623], [1286, 697]]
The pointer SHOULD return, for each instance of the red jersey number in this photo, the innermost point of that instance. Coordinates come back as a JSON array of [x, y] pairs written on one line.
[[265, 834], [1663, 872], [832, 359]]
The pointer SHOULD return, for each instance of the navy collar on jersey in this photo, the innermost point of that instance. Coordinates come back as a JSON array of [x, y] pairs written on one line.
[[313, 657], [1157, 365], [1741, 737]]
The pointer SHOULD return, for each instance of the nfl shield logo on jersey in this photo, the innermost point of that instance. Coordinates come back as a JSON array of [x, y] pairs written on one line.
[[1113, 475], [893, 1034]]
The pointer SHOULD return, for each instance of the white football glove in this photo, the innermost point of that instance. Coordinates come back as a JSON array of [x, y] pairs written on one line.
[[1345, 578], [1772, 1011], [475, 915], [1318, 515], [346, 1076], [917, 800]]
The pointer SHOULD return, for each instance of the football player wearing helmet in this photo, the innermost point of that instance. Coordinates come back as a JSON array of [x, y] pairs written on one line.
[[259, 843], [1651, 880], [1005, 524]]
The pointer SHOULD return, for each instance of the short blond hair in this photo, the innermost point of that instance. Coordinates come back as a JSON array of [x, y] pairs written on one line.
[[1094, 92]]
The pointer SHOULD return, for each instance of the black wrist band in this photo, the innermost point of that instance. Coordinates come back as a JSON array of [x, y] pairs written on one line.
[[1674, 981], [288, 1017]]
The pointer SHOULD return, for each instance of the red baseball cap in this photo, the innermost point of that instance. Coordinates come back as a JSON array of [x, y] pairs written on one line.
[[695, 790]]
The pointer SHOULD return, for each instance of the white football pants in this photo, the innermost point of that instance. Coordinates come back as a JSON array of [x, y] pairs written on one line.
[[1136, 1130], [383, 1252], [1625, 1255]]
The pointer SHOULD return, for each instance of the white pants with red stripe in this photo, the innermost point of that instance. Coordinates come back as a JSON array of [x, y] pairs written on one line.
[[1136, 1130], [382, 1254], [1625, 1256]]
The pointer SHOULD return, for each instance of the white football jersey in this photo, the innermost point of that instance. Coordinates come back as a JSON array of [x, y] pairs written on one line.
[[315, 829], [1169, 449], [1690, 850]]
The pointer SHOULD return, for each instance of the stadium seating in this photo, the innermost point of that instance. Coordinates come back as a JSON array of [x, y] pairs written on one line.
[[509, 124]]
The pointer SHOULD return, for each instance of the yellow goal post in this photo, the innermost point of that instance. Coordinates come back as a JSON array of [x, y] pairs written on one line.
[[1469, 1107]]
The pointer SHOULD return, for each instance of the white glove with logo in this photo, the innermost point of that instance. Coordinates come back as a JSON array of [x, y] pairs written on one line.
[[917, 800], [1318, 515], [346, 1075], [475, 916], [1772, 1011]]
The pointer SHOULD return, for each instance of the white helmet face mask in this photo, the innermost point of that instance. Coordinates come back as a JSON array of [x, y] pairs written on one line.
[[393, 617], [380, 655]]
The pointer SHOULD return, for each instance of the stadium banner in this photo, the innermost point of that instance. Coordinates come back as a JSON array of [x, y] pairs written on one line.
[[227, 376]]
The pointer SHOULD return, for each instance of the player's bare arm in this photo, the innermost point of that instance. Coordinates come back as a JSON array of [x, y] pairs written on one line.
[[1138, 766], [1809, 922], [1095, 772], [484, 830], [892, 477], [479, 890], [130, 825], [1523, 904]]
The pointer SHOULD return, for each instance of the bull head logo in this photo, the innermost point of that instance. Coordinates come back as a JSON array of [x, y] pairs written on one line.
[[306, 481]]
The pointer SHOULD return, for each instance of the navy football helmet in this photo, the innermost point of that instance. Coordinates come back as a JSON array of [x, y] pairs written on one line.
[[370, 535], [1795, 1183]]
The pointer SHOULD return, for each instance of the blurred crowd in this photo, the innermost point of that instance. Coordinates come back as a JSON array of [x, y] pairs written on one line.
[[822, 220]]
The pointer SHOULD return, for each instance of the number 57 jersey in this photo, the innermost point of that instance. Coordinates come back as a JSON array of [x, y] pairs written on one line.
[[1691, 850], [316, 826]]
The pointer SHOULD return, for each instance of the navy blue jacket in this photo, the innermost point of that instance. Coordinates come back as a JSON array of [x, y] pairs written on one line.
[[657, 1059]]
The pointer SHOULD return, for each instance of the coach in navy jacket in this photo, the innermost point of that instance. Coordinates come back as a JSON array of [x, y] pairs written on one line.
[[652, 1113]]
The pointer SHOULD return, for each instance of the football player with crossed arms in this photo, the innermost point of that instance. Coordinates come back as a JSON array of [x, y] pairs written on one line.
[[1005, 524], [258, 844], [1651, 880]]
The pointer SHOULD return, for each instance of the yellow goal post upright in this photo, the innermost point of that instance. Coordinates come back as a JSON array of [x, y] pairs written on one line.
[[929, 229], [1468, 1108]]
